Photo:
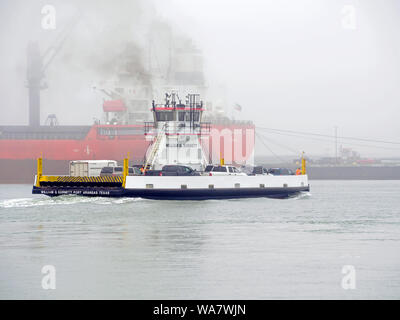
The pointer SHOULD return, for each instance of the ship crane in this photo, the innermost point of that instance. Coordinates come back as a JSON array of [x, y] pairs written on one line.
[[37, 65]]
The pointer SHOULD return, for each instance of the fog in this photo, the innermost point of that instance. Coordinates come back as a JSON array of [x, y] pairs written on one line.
[[298, 65]]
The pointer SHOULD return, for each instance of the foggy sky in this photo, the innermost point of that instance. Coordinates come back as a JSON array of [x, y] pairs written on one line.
[[289, 64]]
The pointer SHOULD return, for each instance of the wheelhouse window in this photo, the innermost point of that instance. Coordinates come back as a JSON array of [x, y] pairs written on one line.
[[165, 115], [107, 170], [187, 116]]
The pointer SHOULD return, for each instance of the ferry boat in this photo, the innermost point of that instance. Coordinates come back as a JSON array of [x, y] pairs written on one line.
[[177, 136]]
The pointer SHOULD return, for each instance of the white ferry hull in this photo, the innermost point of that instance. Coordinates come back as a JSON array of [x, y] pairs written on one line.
[[193, 187]]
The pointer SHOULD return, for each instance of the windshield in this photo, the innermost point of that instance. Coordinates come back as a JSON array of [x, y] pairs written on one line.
[[107, 170], [219, 169], [169, 168]]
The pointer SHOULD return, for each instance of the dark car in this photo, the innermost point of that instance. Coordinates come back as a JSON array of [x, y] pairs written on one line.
[[175, 170], [280, 172], [153, 173], [259, 170]]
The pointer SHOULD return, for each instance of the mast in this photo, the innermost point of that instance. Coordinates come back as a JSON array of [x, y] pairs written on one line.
[[37, 65], [34, 78]]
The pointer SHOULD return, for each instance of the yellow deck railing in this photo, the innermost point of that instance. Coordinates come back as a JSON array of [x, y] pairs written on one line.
[[40, 178]]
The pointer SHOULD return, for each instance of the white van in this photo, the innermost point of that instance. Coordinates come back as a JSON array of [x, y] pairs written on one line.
[[89, 168], [211, 170]]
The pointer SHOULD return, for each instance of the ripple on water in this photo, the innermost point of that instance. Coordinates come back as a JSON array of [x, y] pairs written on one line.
[[62, 200]]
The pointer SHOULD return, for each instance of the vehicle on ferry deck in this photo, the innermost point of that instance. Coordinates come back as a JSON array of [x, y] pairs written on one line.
[[152, 173], [89, 168], [259, 171], [119, 171], [280, 172], [247, 169], [224, 170], [176, 170]]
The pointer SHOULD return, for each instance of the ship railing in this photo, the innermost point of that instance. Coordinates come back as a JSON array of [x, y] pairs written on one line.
[[148, 127], [202, 128], [205, 128], [174, 106], [184, 128], [229, 122]]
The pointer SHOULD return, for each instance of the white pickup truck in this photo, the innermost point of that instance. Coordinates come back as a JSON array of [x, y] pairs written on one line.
[[212, 170]]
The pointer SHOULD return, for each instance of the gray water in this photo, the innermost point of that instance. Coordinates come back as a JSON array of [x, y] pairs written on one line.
[[218, 249]]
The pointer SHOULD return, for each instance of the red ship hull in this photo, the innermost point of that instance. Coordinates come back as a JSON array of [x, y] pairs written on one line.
[[17, 156], [93, 146]]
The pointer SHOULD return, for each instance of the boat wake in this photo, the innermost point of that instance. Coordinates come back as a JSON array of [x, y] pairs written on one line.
[[302, 195], [62, 200]]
